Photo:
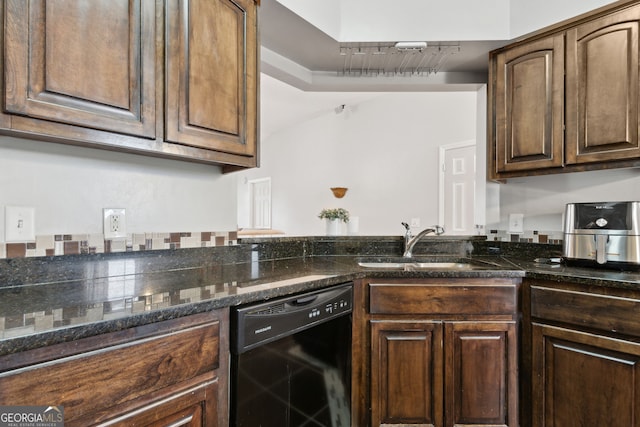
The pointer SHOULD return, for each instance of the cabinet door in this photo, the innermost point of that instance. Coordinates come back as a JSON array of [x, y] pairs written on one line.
[[85, 63], [192, 408], [582, 379], [119, 374], [406, 373], [529, 91], [602, 89], [211, 88], [480, 374]]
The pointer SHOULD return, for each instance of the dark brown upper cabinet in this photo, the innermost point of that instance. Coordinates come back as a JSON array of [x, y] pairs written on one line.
[[567, 98], [602, 93], [83, 63], [211, 75], [529, 106], [175, 78]]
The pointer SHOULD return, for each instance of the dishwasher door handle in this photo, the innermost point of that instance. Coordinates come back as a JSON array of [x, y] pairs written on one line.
[[303, 301]]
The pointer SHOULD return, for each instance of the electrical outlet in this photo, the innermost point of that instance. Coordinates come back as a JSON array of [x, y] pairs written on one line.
[[415, 222], [19, 224], [516, 223], [115, 223]]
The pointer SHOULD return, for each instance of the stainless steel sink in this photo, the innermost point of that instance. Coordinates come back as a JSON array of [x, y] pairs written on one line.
[[382, 264], [411, 265], [448, 265]]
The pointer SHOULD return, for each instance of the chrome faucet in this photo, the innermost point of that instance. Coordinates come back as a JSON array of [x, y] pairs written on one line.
[[410, 241]]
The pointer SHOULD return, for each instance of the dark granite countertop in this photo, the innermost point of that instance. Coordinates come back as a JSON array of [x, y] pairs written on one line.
[[586, 276], [49, 301], [40, 314]]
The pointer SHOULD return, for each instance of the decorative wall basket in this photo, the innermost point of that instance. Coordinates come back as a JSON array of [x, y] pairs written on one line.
[[339, 192]]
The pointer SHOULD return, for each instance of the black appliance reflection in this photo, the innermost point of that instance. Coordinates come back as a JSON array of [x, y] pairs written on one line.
[[302, 380]]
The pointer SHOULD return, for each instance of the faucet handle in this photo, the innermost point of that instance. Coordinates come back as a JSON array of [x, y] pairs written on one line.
[[438, 229], [407, 233]]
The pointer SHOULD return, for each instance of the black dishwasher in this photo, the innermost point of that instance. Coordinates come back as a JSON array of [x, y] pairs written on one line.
[[291, 361]]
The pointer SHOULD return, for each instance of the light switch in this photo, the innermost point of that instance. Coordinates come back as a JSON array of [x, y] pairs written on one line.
[[19, 224], [516, 223]]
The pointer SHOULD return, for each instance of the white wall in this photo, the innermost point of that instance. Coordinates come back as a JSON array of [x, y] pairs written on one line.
[[68, 186], [542, 198], [385, 150], [528, 16], [367, 20], [431, 20]]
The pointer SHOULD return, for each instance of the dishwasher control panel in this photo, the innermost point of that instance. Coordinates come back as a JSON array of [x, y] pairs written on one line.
[[257, 324]]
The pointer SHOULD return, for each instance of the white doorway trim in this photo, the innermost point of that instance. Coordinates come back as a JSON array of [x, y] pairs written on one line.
[[441, 175]]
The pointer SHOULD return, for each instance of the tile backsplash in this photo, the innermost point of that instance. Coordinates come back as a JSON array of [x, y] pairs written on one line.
[[528, 236], [72, 244]]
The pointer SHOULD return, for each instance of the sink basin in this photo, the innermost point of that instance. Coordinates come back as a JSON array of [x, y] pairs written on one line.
[[382, 264], [454, 265], [410, 265]]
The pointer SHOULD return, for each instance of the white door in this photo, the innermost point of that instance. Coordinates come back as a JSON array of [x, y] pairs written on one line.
[[260, 197], [457, 188]]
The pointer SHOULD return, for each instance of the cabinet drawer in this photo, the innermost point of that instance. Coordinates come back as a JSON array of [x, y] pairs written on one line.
[[438, 297], [92, 381], [605, 312]]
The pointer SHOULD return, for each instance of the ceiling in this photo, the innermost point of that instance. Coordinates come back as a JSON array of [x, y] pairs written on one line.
[[289, 35], [286, 100]]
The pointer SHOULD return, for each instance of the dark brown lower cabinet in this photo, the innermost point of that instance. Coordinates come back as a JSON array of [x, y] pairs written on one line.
[[435, 353], [406, 370], [171, 373], [414, 365], [584, 379], [480, 367], [581, 355]]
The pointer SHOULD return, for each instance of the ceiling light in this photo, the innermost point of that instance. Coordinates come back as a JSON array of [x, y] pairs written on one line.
[[411, 45]]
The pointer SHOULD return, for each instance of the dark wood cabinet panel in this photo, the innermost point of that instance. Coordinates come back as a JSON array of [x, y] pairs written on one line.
[[529, 108], [406, 373], [602, 88], [61, 66], [480, 372], [584, 308], [193, 407], [211, 75], [584, 379], [437, 297]]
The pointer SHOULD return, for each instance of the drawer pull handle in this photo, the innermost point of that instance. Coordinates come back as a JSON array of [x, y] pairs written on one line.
[[182, 422]]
